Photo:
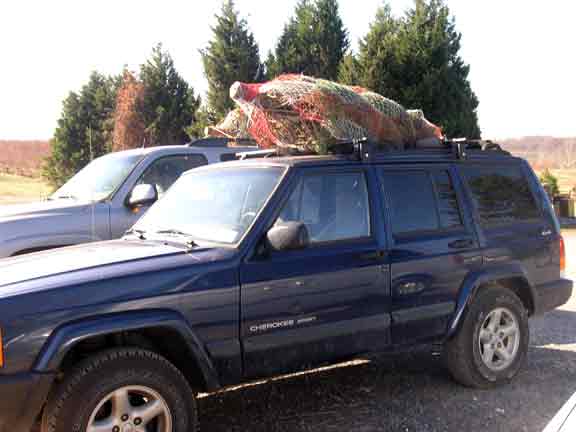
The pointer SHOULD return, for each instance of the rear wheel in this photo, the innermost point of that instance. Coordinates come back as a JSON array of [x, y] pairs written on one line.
[[122, 390], [491, 345]]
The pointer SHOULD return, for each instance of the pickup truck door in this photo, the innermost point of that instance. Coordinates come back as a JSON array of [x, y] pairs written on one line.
[[329, 301], [160, 172], [433, 248]]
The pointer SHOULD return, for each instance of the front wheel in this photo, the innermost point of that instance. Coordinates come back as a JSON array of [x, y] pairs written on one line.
[[122, 390], [491, 345]]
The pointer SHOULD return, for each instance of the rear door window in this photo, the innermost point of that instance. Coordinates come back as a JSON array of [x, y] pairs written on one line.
[[421, 201], [412, 204], [501, 194]]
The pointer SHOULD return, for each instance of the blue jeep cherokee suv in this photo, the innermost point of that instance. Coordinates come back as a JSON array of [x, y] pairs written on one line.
[[259, 267]]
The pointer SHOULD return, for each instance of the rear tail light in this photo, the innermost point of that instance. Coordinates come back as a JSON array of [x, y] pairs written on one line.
[[562, 256], [1, 350]]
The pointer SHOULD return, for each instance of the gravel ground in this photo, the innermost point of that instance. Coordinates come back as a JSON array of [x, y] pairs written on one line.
[[410, 392]]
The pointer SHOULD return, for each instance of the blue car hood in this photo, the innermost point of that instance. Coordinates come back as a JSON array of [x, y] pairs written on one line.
[[94, 261]]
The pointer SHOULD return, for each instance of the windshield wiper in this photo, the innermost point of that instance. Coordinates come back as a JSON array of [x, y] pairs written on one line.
[[190, 243], [140, 233], [72, 197]]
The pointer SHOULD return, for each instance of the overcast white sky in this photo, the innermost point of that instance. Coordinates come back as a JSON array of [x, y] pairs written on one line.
[[521, 52]]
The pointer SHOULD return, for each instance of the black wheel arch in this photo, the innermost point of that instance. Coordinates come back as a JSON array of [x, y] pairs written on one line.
[[162, 331], [511, 276]]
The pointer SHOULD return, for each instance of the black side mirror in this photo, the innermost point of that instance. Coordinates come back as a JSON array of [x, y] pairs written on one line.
[[142, 194], [288, 236]]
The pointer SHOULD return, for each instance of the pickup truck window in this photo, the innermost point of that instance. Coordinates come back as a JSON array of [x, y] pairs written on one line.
[[164, 171], [213, 205], [333, 206], [99, 179]]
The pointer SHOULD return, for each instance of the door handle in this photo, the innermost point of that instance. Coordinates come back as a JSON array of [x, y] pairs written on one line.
[[373, 255], [546, 233], [461, 244]]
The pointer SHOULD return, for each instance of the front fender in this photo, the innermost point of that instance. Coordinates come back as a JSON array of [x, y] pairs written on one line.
[[64, 338], [474, 280], [23, 245], [54, 227]]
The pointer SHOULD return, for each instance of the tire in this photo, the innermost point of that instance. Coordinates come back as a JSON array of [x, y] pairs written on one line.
[[468, 354], [90, 393]]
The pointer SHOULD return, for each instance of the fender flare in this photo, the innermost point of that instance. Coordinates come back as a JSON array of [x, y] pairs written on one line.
[[472, 282], [65, 337]]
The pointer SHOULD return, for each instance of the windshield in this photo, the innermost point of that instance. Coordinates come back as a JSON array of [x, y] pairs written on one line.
[[99, 179], [212, 205]]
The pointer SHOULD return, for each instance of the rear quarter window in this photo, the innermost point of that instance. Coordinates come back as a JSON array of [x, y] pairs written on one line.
[[501, 194]]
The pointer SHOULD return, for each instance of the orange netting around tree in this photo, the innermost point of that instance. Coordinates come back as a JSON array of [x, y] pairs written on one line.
[[310, 114]]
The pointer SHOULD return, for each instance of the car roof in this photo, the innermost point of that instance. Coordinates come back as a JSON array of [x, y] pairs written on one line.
[[183, 149], [393, 157], [285, 161]]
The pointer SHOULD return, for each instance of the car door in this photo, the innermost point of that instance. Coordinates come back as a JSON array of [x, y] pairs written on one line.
[[510, 218], [433, 248], [161, 172], [326, 302]]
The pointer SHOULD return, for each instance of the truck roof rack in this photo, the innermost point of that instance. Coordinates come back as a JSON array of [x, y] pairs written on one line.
[[221, 142], [257, 154]]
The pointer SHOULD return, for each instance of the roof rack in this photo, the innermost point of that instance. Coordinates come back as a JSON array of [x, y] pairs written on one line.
[[364, 149], [221, 142], [257, 154], [352, 147], [459, 146]]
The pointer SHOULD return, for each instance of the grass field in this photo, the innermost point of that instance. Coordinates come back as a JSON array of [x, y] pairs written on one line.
[[16, 189]]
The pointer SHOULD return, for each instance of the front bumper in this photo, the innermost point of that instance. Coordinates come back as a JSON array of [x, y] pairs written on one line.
[[551, 295], [21, 399]]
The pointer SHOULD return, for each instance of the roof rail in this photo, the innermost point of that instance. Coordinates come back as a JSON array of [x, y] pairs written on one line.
[[459, 146], [257, 154], [364, 149], [221, 142]]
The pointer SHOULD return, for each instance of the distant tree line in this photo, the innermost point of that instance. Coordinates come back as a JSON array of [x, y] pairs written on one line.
[[413, 59]]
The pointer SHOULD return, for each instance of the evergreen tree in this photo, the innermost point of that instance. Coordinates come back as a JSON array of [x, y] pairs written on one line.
[[331, 37], [349, 70], [377, 60], [313, 42], [232, 55], [204, 118], [168, 105], [436, 76], [84, 129], [550, 183], [415, 61]]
